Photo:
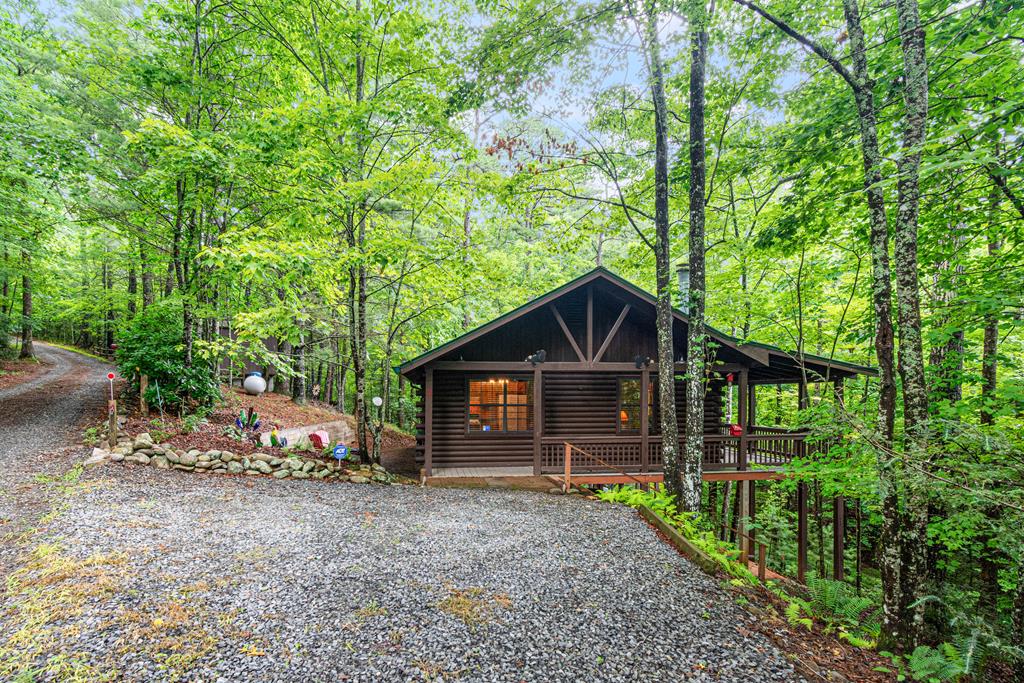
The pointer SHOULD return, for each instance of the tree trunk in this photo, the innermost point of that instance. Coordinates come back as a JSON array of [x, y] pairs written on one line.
[[133, 290], [664, 317], [989, 351], [905, 633], [299, 381], [147, 277], [695, 354], [26, 307]]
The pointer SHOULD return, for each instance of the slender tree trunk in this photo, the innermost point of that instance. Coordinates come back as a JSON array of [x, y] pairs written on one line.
[[26, 307], [299, 382], [664, 317], [147, 277], [133, 290], [913, 575], [695, 343], [990, 349]]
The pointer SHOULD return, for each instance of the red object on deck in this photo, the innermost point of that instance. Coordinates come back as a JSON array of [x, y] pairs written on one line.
[[320, 439], [735, 430]]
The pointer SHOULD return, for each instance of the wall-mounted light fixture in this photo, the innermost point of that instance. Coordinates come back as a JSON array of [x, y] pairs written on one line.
[[537, 357], [642, 362]]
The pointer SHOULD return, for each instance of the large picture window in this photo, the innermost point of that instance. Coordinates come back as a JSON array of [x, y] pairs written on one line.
[[629, 405], [502, 404]]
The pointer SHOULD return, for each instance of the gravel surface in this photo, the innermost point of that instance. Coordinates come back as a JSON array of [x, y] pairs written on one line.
[[221, 578], [40, 423], [44, 412]]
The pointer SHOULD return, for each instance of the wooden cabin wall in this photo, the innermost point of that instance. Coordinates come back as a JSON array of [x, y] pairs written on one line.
[[575, 404], [452, 447]]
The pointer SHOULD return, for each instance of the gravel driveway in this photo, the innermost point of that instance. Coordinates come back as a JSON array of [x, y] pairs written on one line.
[[218, 578], [44, 412]]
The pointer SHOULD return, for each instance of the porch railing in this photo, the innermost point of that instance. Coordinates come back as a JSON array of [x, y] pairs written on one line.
[[721, 452]]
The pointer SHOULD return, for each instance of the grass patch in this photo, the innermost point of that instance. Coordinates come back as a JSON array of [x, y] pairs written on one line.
[[171, 632], [474, 606], [43, 595], [77, 350], [371, 610]]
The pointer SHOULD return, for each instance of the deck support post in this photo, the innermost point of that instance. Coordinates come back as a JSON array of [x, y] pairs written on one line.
[[751, 515], [567, 474], [838, 537], [645, 387], [538, 418], [745, 492], [801, 532], [428, 423]]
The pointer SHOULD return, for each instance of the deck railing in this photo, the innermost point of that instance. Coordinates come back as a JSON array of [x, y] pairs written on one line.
[[774, 448]]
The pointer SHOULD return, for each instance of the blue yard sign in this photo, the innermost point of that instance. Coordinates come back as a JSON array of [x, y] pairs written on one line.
[[340, 452]]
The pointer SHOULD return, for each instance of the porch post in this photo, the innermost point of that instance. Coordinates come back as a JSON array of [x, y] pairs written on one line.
[[428, 423], [645, 384], [538, 418], [838, 536], [742, 460], [801, 532]]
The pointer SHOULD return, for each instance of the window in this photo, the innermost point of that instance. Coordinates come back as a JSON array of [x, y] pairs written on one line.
[[629, 405], [502, 404]]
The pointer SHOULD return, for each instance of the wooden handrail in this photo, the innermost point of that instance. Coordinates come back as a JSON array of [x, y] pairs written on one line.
[[569, 448]]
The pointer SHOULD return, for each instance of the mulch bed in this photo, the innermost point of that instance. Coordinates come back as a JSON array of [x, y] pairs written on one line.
[[14, 372], [274, 410]]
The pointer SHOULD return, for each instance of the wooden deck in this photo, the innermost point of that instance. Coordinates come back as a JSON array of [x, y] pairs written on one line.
[[480, 472]]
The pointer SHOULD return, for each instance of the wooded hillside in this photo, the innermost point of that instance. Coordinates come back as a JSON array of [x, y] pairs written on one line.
[[325, 189]]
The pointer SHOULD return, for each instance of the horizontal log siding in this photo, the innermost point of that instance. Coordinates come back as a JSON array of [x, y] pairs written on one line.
[[575, 404], [454, 448], [579, 403]]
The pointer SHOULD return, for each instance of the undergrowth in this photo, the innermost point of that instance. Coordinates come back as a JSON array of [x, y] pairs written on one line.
[[834, 606]]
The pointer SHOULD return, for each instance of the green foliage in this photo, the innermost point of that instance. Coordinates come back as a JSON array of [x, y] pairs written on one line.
[[192, 422], [931, 664], [840, 610], [691, 526], [151, 344]]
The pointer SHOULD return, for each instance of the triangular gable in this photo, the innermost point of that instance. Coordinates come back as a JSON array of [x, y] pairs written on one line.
[[758, 354]]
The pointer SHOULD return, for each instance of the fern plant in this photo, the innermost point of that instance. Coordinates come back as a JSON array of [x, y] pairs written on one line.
[[935, 665], [837, 604]]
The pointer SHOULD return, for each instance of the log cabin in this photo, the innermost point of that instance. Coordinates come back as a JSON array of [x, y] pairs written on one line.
[[573, 374]]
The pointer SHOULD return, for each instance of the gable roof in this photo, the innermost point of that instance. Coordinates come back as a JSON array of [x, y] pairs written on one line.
[[757, 352]]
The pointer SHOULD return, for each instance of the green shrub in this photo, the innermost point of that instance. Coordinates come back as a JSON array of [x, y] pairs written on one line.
[[151, 344]]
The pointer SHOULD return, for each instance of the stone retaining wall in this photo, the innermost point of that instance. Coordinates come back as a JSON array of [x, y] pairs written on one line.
[[281, 465]]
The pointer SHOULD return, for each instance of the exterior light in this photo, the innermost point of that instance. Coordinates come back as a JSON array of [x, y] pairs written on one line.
[[378, 401]]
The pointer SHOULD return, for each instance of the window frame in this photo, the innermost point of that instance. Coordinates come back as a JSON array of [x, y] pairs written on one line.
[[490, 433], [619, 380]]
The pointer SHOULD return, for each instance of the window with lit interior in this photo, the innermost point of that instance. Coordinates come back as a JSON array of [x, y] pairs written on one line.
[[500, 405], [629, 405]]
